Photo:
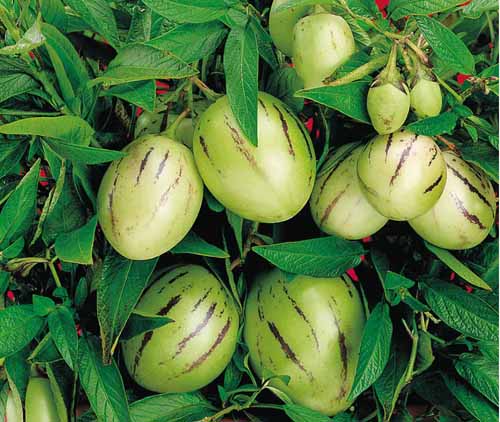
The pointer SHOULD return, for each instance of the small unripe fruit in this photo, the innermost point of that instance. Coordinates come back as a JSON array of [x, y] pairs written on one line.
[[268, 183], [338, 205], [426, 98], [310, 330], [402, 174], [281, 25], [150, 123], [194, 349], [149, 199], [465, 213], [40, 404], [388, 106], [321, 43]]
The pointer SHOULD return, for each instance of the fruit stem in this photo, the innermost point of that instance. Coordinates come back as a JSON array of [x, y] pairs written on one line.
[[421, 55], [448, 88], [361, 71], [449, 144], [202, 86], [413, 333], [170, 132], [391, 74]]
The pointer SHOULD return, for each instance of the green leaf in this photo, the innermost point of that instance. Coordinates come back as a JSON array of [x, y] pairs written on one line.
[[397, 281], [193, 244], [241, 66], [99, 15], [32, 38], [18, 371], [103, 384], [202, 39], [349, 99], [83, 154], [76, 246], [13, 83], [447, 45], [400, 8], [71, 129], [138, 62], [183, 407], [437, 125], [264, 43], [478, 407], [141, 93], [18, 326], [18, 212], [61, 383], [120, 286], [139, 323], [63, 333], [425, 354], [454, 264], [375, 349], [283, 83], [236, 223], [42, 305], [481, 373], [484, 156], [11, 153], [141, 24], [299, 413], [323, 257], [463, 312], [188, 11], [480, 6]]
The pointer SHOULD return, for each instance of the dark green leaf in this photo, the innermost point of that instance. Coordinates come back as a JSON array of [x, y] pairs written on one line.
[[236, 223], [83, 154], [397, 281], [141, 93], [323, 257], [241, 60], [302, 414], [437, 125], [401, 8], [76, 246], [12, 84], [140, 26], [61, 383], [425, 354], [484, 156], [193, 244], [42, 305], [481, 373], [140, 323], [375, 349], [11, 153], [264, 42], [186, 11], [63, 333], [18, 371]]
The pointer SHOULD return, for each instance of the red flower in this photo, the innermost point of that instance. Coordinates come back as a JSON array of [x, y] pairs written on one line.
[[465, 4], [162, 87], [352, 273], [138, 112], [310, 124], [43, 175], [11, 296], [382, 5], [461, 78], [367, 239], [452, 276]]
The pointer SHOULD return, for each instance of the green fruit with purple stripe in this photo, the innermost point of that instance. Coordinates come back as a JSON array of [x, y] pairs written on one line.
[[309, 329], [192, 350], [402, 174], [338, 205], [40, 404], [268, 183], [149, 200], [426, 98], [465, 213], [388, 106], [322, 42]]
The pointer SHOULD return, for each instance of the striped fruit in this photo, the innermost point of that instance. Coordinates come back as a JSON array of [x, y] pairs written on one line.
[[149, 200], [465, 213], [269, 183], [321, 43], [425, 97], [150, 123], [194, 349], [310, 330], [40, 405], [388, 106], [402, 174], [338, 205]]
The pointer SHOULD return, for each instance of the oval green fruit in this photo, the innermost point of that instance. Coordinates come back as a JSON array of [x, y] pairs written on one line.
[[149, 199], [150, 123], [426, 98], [268, 183], [10, 410], [281, 25], [321, 43], [338, 205], [465, 213], [40, 404], [402, 174], [193, 349], [309, 329], [388, 106]]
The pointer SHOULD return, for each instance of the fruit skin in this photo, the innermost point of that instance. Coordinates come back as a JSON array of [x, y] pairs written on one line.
[[402, 174], [465, 213], [269, 183], [40, 404], [150, 123], [388, 106], [309, 329], [321, 43], [338, 205], [425, 98], [281, 25], [194, 349], [149, 199]]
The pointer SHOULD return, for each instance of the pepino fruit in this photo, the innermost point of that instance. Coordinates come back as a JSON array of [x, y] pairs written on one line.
[[150, 123], [425, 96], [402, 174], [465, 213], [310, 330], [192, 350], [268, 183], [388, 99], [338, 205], [322, 42], [149, 199], [40, 404], [281, 25]]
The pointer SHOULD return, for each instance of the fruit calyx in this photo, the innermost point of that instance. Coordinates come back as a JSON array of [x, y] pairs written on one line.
[[390, 74]]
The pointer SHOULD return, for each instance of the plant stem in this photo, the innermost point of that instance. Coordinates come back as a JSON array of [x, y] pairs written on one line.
[[424, 58], [54, 273], [449, 144], [361, 71], [413, 354], [202, 86], [170, 132], [448, 88]]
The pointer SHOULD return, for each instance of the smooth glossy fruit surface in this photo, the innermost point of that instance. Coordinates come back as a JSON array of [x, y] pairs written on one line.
[[338, 205], [310, 330], [426, 98], [465, 213], [281, 25], [268, 183], [402, 174], [194, 349], [40, 405], [150, 123], [149, 200], [322, 42], [388, 106]]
